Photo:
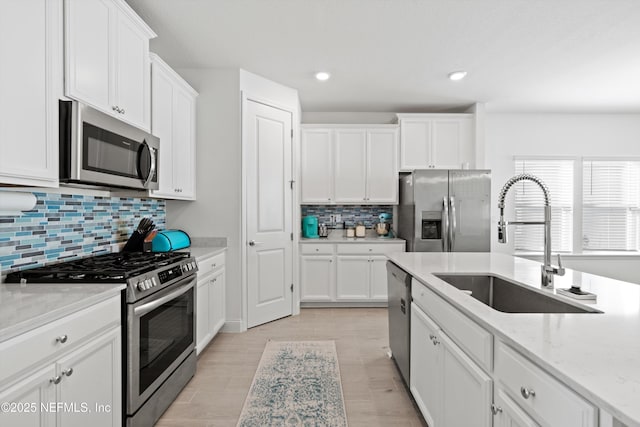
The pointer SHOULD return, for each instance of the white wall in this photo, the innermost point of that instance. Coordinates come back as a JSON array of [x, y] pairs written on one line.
[[577, 135], [216, 211]]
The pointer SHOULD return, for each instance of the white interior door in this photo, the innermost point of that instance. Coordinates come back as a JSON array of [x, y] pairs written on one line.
[[268, 213]]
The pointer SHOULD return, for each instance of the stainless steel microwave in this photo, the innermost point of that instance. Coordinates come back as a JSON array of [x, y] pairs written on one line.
[[98, 149]]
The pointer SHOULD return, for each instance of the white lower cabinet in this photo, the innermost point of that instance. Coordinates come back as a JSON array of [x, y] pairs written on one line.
[[91, 381], [547, 400], [66, 373], [318, 273], [28, 395], [506, 413], [425, 380], [352, 277], [210, 300], [345, 272], [450, 389]]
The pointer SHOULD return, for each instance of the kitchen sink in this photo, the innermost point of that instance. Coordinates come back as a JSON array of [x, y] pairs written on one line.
[[510, 297]]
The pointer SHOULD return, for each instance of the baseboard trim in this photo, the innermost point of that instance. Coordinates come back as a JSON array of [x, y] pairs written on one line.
[[343, 304], [233, 326]]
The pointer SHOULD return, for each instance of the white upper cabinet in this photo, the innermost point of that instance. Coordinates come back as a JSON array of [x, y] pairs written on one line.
[[349, 164], [442, 141], [174, 122], [30, 86], [382, 171], [316, 165], [350, 170], [107, 59]]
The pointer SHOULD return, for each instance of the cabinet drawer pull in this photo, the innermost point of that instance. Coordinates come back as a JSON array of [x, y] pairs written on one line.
[[527, 392], [62, 339], [56, 379], [68, 372]]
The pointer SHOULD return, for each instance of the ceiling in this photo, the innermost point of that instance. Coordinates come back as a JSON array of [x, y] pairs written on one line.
[[394, 55]]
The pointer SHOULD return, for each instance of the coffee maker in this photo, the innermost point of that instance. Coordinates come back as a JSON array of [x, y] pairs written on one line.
[[310, 227]]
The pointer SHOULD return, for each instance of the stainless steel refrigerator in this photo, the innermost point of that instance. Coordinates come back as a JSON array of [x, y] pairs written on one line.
[[445, 210]]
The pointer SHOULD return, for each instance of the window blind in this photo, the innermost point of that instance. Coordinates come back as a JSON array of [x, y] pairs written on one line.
[[557, 174], [611, 203]]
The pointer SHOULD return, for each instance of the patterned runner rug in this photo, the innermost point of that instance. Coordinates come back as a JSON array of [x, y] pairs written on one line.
[[297, 383]]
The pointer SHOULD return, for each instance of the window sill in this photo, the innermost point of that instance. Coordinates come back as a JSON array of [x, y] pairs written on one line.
[[583, 255]]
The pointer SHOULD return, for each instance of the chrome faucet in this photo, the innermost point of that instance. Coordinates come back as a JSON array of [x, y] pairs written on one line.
[[548, 271]]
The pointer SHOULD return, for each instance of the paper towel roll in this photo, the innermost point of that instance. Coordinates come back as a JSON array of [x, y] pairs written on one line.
[[13, 202]]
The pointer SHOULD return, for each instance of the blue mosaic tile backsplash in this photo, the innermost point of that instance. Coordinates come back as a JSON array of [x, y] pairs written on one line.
[[63, 226], [367, 214]]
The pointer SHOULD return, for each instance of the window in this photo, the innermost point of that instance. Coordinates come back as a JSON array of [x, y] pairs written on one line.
[[557, 174], [606, 194], [611, 203]]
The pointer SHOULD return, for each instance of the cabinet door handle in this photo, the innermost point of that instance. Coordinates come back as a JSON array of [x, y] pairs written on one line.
[[56, 379], [122, 111], [495, 409], [68, 372], [62, 339], [527, 392]]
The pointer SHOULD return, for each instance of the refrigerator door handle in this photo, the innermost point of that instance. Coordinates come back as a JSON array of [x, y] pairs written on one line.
[[445, 225], [452, 225]]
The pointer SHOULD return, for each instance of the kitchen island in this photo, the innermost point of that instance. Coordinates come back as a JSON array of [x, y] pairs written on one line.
[[596, 355]]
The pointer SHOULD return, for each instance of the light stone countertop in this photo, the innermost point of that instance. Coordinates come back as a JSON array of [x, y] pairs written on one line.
[[29, 306], [339, 236], [597, 355], [200, 253]]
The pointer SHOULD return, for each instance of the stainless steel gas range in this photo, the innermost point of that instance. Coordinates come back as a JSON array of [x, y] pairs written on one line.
[[158, 322]]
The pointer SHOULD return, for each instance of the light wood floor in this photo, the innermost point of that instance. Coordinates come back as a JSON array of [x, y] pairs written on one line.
[[373, 390]]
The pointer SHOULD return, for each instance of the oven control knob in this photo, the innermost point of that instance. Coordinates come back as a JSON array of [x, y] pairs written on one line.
[[140, 286], [153, 282], [148, 283]]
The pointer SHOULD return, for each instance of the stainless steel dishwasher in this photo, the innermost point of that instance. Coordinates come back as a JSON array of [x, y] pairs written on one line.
[[399, 291]]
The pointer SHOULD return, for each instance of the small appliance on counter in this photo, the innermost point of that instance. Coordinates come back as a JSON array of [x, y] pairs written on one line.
[[310, 227], [170, 240], [351, 232], [323, 231], [383, 228]]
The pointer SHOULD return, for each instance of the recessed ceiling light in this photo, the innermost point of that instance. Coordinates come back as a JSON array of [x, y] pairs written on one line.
[[323, 76], [457, 75]]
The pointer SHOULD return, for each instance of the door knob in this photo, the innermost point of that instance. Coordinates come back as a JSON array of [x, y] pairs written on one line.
[[253, 243]]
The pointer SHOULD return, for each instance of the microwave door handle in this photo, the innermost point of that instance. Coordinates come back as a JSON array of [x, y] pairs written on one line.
[[152, 168]]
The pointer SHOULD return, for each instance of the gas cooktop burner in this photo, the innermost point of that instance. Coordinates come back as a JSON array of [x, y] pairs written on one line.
[[116, 267]]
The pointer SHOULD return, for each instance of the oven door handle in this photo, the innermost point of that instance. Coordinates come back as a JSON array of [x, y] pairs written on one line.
[[150, 306]]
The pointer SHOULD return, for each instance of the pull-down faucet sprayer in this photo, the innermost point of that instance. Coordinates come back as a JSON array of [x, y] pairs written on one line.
[[548, 271]]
